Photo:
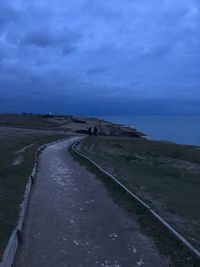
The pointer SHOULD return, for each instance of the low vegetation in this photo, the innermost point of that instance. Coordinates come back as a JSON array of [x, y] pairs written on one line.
[[17, 155], [163, 174], [67, 123]]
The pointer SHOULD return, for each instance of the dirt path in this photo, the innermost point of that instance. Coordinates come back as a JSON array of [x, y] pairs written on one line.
[[73, 221]]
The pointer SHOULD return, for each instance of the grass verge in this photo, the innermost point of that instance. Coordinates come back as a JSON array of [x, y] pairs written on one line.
[[14, 176], [165, 242], [165, 175]]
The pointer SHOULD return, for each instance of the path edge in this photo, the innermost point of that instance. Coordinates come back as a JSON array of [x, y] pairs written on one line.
[[177, 235], [16, 236]]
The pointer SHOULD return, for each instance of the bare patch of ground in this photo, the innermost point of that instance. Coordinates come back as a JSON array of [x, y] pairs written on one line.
[[18, 160], [22, 150]]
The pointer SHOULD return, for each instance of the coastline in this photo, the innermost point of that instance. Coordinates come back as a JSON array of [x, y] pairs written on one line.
[[179, 129]]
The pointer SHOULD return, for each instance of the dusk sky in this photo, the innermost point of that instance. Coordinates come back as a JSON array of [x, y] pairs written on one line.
[[100, 57]]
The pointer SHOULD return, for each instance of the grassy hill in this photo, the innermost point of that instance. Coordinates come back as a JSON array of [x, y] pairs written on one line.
[[72, 124]]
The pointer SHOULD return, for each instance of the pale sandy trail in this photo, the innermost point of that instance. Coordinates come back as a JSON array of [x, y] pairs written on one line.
[[73, 221]]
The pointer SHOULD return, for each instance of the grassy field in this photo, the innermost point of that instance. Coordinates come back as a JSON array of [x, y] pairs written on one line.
[[17, 155], [26, 121], [66, 123], [165, 175]]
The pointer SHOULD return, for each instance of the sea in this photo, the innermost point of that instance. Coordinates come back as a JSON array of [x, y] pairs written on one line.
[[181, 129]]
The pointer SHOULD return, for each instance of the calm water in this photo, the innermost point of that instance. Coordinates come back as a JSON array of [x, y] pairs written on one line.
[[178, 129]]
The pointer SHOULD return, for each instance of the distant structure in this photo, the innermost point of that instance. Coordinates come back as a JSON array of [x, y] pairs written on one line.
[[50, 114]]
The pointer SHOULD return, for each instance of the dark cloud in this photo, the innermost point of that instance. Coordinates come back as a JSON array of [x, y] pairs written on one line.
[[40, 38], [157, 51], [68, 49], [45, 38], [8, 14], [131, 54], [96, 70]]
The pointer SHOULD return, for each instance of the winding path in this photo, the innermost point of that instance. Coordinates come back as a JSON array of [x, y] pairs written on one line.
[[73, 221]]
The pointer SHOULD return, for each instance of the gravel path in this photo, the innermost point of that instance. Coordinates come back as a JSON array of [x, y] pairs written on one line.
[[73, 221]]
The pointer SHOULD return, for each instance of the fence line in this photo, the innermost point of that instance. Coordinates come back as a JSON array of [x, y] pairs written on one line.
[[194, 251], [16, 235]]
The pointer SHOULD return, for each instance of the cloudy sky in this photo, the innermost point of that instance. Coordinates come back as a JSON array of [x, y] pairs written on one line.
[[100, 57]]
